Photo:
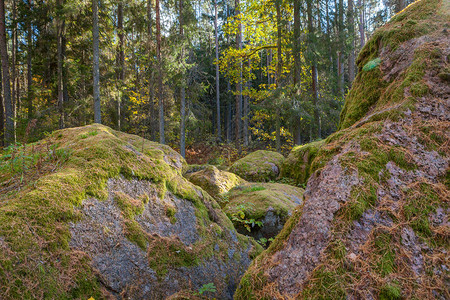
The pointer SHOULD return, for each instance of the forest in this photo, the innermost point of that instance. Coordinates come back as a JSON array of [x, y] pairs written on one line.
[[256, 74], [217, 149]]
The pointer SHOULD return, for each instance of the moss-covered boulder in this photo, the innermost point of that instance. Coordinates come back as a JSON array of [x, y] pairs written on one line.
[[297, 165], [259, 166], [374, 220], [213, 180], [92, 212], [261, 209]]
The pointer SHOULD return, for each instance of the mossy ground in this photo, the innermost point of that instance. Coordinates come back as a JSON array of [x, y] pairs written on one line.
[[258, 166], [44, 181]]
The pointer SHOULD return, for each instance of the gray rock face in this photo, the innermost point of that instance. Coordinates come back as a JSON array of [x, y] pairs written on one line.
[[124, 267]]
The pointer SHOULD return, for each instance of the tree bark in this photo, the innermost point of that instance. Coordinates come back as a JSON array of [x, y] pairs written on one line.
[[216, 33], [151, 93], [9, 123], [29, 56], [162, 139], [341, 48], [182, 92], [13, 61], [59, 41], [314, 79], [351, 31], [362, 37], [279, 75], [238, 116], [2, 116], [120, 62], [96, 71], [296, 46]]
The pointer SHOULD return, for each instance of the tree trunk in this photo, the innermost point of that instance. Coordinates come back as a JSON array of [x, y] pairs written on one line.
[[2, 117], [29, 51], [162, 139], [362, 37], [120, 63], [216, 33], [182, 92], [96, 71], [296, 46], [13, 62], [59, 41], [341, 48], [314, 84], [9, 124], [238, 115], [351, 32], [150, 71], [279, 74]]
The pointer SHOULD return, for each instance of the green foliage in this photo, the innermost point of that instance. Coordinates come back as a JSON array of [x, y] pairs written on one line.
[[207, 288], [372, 64], [390, 291]]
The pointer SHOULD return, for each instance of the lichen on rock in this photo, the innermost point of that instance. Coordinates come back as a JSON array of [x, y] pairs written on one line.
[[259, 166]]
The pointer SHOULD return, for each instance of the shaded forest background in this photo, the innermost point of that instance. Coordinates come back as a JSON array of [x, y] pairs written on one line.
[[258, 74]]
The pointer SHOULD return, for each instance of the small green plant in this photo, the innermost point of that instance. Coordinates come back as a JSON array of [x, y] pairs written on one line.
[[90, 133], [372, 64], [265, 242], [209, 287], [239, 217]]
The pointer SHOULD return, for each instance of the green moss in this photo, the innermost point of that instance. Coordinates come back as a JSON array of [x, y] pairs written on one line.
[[298, 164], [214, 181], [170, 213], [253, 200], [328, 284], [258, 166], [390, 292], [384, 247], [164, 253]]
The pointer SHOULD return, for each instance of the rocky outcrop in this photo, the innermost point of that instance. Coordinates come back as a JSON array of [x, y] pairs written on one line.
[[259, 166], [374, 224], [109, 215], [260, 210], [297, 165], [213, 180]]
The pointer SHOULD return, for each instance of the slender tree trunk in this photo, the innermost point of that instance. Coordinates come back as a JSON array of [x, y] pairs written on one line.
[[151, 92], [13, 65], [296, 46], [314, 85], [351, 31], [341, 48], [29, 53], [96, 71], [362, 37], [182, 92], [279, 74], [9, 124], [216, 33], [59, 37], [238, 116], [2, 116], [162, 139], [120, 62], [247, 112]]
